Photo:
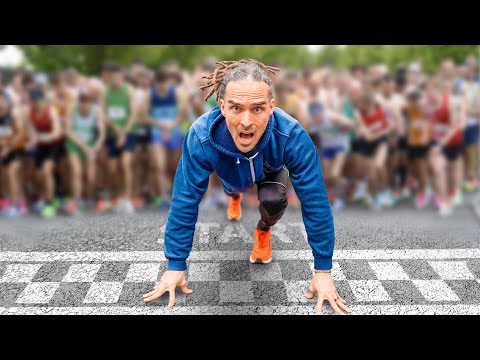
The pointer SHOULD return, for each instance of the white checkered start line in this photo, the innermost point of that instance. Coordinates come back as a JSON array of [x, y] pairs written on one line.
[[448, 264]]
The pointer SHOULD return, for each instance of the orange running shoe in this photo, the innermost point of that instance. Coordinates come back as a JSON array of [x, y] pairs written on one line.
[[234, 210], [262, 249], [137, 202], [101, 206]]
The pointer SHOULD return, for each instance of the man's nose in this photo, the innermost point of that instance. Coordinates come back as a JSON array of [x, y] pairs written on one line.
[[246, 121]]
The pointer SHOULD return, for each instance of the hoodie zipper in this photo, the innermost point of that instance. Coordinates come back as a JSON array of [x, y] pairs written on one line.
[[252, 168]]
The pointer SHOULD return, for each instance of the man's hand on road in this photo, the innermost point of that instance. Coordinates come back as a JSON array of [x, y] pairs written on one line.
[[169, 281], [322, 283]]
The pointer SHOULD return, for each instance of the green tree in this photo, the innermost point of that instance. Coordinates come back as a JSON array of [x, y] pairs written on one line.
[[88, 58]]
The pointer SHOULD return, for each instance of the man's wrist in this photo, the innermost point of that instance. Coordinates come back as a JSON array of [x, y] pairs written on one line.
[[177, 265], [322, 271], [323, 264]]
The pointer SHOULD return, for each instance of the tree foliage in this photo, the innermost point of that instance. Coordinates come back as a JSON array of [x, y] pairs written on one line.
[[88, 58]]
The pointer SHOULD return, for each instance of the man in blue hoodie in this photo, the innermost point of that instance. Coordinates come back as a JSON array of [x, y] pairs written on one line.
[[247, 141]]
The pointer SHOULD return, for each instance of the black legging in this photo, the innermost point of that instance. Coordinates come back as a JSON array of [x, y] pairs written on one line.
[[272, 194]]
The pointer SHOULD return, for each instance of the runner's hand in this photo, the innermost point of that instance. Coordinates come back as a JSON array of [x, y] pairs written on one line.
[[91, 154], [322, 284], [121, 140], [169, 281]]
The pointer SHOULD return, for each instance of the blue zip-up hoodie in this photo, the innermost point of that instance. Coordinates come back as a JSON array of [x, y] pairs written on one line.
[[208, 146]]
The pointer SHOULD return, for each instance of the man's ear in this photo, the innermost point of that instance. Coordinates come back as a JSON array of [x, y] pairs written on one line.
[[222, 107], [272, 106]]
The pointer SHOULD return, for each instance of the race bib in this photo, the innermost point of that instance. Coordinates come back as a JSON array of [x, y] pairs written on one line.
[[375, 127], [441, 128], [417, 124], [6, 131], [116, 112], [85, 137], [164, 113]]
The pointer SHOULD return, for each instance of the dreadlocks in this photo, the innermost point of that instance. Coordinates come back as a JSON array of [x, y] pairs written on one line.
[[227, 71]]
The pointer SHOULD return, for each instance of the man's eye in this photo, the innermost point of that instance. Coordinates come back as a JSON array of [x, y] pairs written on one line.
[[258, 110], [236, 108]]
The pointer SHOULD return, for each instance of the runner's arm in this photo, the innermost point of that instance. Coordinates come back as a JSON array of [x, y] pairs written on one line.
[[182, 102], [133, 111], [303, 162], [19, 123], [190, 184], [102, 131], [456, 121], [340, 119]]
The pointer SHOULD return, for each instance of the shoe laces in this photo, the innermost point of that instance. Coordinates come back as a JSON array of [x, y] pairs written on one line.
[[263, 239]]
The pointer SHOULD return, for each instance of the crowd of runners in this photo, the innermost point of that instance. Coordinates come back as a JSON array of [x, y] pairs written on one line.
[[71, 143]]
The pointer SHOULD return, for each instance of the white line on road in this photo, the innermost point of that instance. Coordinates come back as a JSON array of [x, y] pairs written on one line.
[[244, 310], [219, 255]]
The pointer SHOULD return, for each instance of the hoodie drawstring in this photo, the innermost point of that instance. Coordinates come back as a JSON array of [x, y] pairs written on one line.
[[238, 161]]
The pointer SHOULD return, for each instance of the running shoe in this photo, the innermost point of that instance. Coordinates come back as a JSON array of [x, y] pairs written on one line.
[[38, 206], [457, 198], [360, 191], [445, 209], [469, 186], [421, 201], [100, 206], [11, 212], [137, 202], [234, 211], [49, 211], [386, 199], [71, 207], [338, 205], [437, 201], [22, 206], [376, 203], [262, 249]]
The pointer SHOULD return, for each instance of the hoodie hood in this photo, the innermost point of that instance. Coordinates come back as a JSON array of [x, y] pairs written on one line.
[[222, 140]]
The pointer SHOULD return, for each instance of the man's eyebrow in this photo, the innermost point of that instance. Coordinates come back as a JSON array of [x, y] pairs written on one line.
[[253, 104]]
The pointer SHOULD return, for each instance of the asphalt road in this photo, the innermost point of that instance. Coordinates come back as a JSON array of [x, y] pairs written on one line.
[[399, 261]]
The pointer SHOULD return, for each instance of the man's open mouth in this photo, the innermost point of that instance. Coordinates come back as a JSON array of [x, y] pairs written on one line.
[[246, 136]]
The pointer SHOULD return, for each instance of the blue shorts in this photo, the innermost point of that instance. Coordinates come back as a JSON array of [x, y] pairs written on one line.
[[115, 152], [174, 143], [329, 153], [471, 135]]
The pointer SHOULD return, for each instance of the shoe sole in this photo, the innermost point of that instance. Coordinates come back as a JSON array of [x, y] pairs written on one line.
[[235, 219], [259, 261]]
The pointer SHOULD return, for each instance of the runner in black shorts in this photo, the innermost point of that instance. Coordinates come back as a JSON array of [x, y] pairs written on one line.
[[374, 130], [46, 137], [12, 150]]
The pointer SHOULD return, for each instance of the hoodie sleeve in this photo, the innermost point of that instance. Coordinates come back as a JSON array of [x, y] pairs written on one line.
[[303, 162], [190, 184]]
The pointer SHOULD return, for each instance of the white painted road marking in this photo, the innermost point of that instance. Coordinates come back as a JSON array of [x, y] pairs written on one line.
[[390, 270], [368, 290], [19, 273], [103, 293], [452, 270], [38, 293], [435, 290], [220, 255], [241, 310], [143, 272], [82, 273]]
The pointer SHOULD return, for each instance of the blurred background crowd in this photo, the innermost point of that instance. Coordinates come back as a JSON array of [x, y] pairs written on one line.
[[77, 139]]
